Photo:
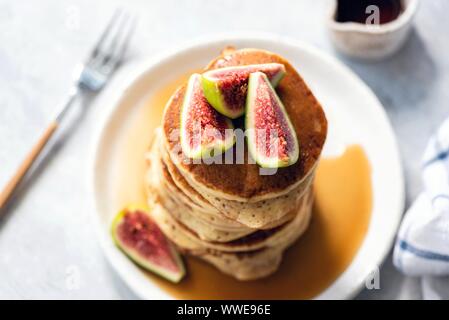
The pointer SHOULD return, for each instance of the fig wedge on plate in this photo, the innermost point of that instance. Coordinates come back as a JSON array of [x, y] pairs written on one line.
[[139, 237], [226, 88], [271, 138], [204, 132]]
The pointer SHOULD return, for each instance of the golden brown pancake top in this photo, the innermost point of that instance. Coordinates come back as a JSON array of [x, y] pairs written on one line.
[[305, 112]]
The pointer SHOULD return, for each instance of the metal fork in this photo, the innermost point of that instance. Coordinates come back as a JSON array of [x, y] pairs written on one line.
[[92, 76]]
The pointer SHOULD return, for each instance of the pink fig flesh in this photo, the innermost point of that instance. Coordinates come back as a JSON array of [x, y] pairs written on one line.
[[204, 131], [271, 138], [136, 234]]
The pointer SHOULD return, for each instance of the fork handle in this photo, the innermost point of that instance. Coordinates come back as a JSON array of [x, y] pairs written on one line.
[[27, 163]]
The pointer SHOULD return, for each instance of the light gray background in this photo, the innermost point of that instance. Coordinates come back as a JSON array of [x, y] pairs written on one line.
[[48, 248]]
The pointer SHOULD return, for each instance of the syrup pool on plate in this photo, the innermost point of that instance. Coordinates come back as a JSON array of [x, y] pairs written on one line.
[[342, 211]]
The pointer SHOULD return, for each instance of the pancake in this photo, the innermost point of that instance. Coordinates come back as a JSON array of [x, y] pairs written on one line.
[[263, 214], [243, 182], [194, 198], [161, 189], [207, 227], [186, 238], [212, 218], [247, 265], [243, 265]]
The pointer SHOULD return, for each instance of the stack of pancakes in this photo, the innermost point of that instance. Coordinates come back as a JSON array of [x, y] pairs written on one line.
[[229, 214]]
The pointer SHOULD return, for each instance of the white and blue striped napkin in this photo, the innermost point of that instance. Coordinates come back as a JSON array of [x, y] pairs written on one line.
[[422, 246]]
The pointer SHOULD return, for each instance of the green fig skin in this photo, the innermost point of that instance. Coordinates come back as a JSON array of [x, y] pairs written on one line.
[[262, 160], [131, 253], [215, 96], [203, 151]]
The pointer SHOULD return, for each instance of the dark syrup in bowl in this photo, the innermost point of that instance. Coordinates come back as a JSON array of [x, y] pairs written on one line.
[[358, 10]]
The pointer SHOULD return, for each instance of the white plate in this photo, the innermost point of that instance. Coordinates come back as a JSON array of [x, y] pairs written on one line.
[[355, 117]]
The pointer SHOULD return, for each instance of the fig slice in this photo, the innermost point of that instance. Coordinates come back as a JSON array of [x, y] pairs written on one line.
[[226, 88], [139, 237], [271, 138], [204, 132]]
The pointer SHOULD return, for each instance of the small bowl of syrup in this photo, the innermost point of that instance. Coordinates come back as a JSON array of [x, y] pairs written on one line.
[[371, 29]]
